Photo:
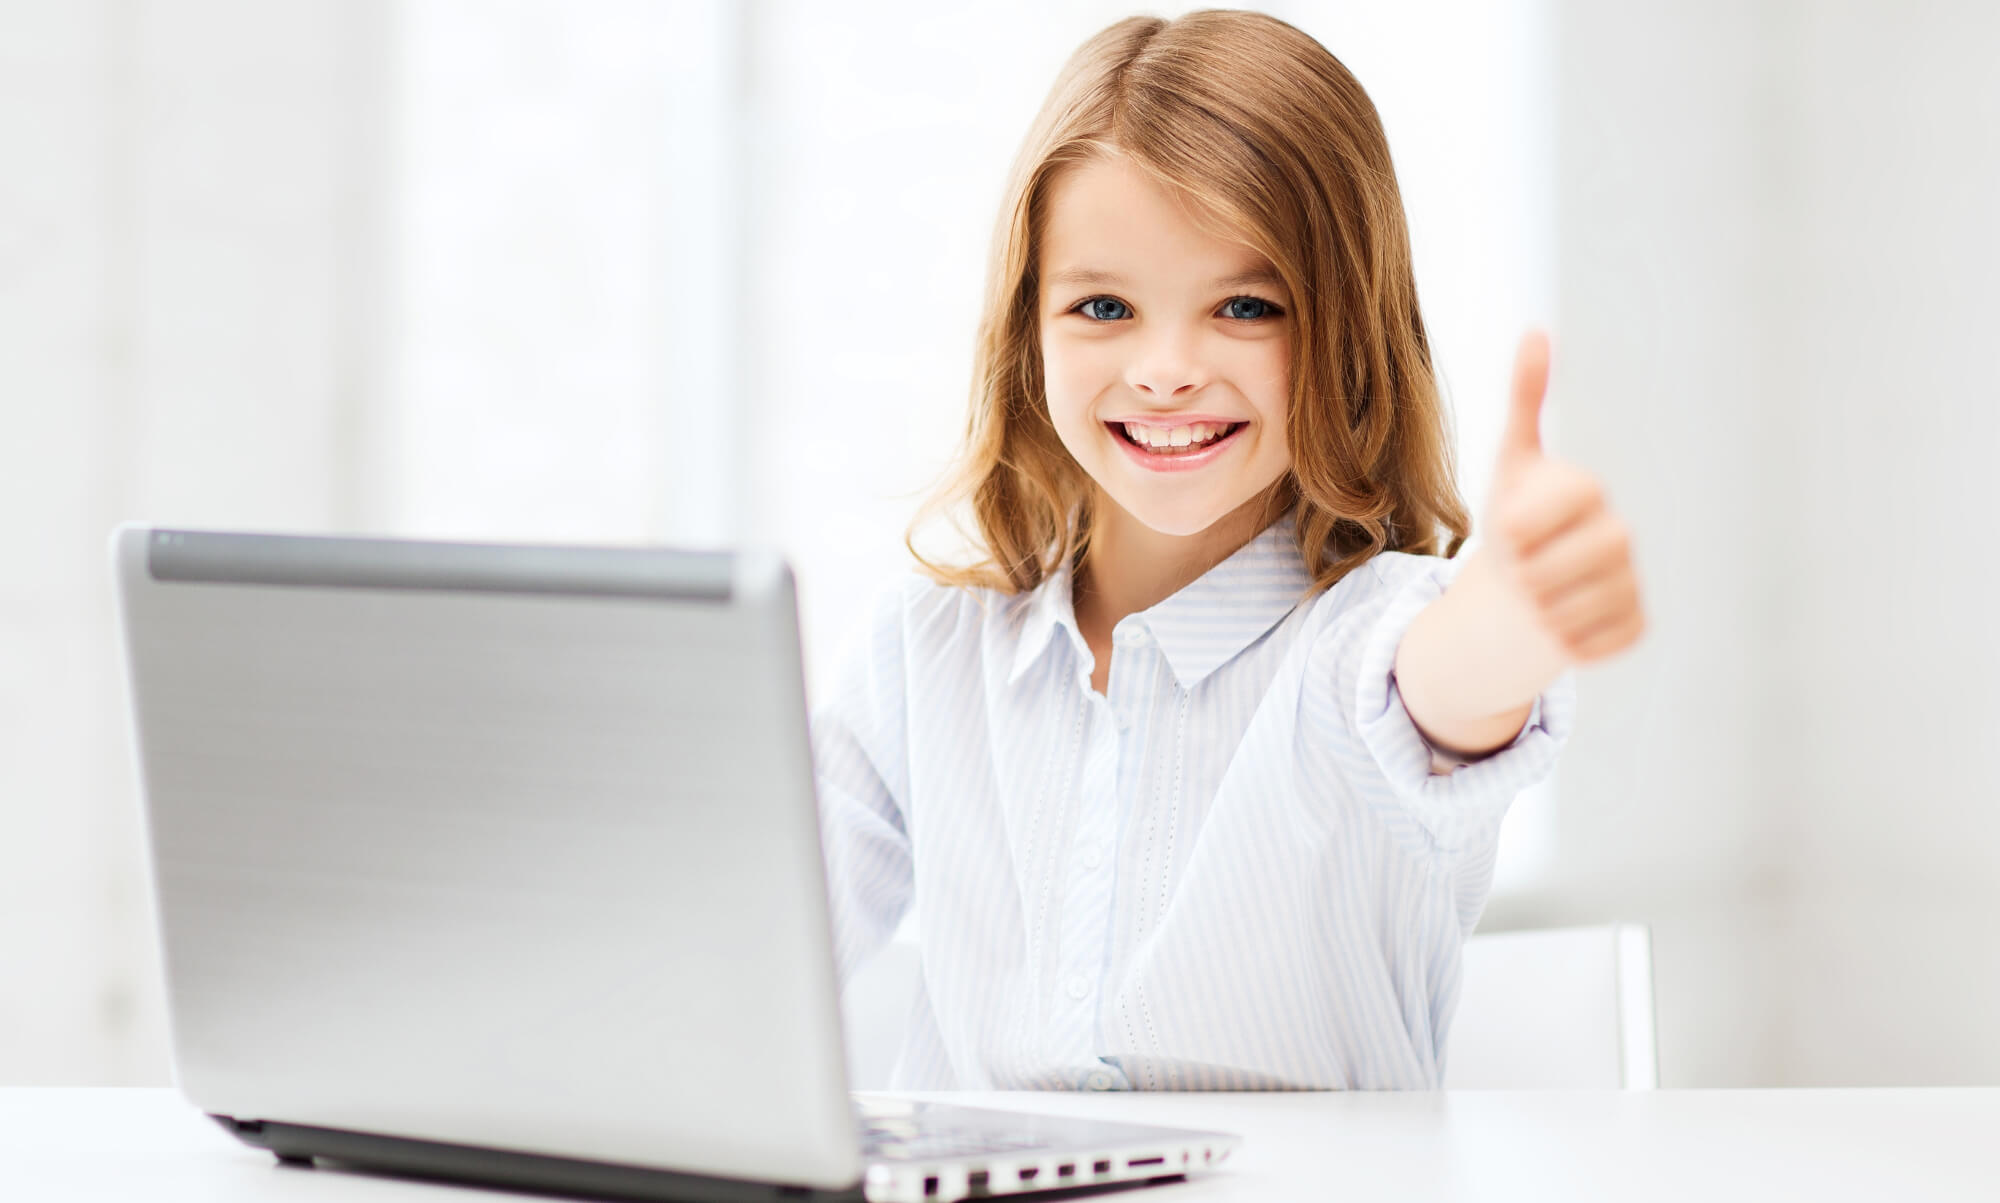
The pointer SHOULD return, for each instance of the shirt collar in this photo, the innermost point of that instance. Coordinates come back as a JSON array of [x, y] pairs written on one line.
[[1203, 626]]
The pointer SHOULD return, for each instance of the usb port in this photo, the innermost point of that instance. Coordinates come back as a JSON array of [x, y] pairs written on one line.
[[1066, 1170], [1028, 1172], [1100, 1167]]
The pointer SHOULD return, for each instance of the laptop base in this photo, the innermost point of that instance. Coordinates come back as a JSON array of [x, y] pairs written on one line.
[[300, 1144]]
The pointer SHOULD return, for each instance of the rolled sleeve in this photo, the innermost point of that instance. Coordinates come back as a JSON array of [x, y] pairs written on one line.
[[1458, 804]]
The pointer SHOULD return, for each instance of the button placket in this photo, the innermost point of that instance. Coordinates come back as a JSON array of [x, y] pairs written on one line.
[[1090, 875], [1085, 918], [1131, 639]]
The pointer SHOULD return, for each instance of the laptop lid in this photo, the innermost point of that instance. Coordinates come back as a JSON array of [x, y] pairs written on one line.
[[442, 836]]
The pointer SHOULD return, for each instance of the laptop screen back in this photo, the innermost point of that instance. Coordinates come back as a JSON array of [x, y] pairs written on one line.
[[497, 845]]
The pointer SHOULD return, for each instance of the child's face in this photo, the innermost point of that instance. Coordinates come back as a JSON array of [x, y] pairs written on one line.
[[1175, 325]]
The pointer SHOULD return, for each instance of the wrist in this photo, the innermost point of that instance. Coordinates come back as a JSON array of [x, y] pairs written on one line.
[[1482, 652]]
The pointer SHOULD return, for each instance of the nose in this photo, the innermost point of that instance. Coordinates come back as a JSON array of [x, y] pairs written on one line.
[[1166, 363]]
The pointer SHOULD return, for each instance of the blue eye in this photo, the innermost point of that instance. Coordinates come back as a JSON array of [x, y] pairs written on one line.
[[1104, 309], [1250, 309]]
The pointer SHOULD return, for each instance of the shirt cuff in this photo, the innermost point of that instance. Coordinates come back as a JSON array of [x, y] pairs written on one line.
[[1444, 761]]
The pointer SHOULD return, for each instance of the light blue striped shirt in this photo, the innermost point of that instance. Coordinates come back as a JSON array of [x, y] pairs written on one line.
[[1238, 871]]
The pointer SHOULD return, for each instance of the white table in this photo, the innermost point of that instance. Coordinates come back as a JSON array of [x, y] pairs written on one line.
[[1706, 1145]]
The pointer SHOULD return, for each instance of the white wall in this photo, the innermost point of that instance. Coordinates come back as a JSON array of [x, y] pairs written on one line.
[[556, 326], [312, 265], [179, 276], [1658, 371], [1775, 256], [1884, 695]]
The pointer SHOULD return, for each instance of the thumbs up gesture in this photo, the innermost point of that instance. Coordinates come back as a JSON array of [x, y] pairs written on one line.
[[1560, 558]]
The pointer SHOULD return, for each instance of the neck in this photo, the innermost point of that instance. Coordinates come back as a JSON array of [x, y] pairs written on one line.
[[1129, 566]]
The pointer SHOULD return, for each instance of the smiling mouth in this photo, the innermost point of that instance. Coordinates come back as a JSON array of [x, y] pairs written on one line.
[[1229, 431]]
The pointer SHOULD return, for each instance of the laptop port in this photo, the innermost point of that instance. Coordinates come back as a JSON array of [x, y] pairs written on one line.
[[930, 1187], [1136, 1162], [1066, 1170], [975, 1184], [1100, 1167], [1028, 1172]]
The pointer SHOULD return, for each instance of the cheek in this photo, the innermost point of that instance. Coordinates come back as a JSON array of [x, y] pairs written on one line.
[[1073, 372], [1265, 376]]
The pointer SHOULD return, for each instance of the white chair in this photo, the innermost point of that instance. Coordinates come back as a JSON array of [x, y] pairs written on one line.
[[1550, 1009], [1557, 1008]]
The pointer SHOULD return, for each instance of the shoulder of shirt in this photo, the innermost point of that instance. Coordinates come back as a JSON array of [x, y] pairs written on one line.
[[921, 606], [1394, 568], [1380, 577]]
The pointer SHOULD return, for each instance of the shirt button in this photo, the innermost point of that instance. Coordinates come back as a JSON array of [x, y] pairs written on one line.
[[1124, 721], [1092, 858], [1078, 987], [1098, 1081]]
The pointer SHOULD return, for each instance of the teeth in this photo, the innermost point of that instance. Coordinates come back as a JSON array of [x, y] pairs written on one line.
[[1179, 436]]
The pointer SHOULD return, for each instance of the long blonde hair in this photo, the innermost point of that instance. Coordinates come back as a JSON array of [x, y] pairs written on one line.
[[1266, 131]]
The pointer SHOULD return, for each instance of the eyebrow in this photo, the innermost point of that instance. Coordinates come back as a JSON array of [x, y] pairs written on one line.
[[1084, 275]]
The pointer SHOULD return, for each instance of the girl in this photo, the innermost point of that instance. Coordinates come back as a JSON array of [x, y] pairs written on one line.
[[1195, 778]]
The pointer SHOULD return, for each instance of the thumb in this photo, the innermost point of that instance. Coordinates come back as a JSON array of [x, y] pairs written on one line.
[[1523, 435]]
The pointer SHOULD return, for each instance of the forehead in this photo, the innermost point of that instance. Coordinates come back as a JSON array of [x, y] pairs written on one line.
[[1109, 217]]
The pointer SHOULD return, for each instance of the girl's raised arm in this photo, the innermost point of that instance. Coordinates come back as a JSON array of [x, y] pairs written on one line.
[[1552, 587]]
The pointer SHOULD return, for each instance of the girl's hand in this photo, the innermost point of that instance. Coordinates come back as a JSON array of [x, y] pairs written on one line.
[[1562, 560]]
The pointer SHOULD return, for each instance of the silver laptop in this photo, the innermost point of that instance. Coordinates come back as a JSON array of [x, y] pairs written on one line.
[[502, 864]]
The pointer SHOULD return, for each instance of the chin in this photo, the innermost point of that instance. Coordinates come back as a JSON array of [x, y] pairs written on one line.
[[1188, 517]]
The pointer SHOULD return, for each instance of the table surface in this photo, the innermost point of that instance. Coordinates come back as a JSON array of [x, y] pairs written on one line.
[[1708, 1145]]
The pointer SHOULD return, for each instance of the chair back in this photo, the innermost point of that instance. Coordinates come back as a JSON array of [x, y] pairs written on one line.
[[1556, 1008], [875, 1007]]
